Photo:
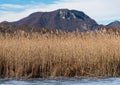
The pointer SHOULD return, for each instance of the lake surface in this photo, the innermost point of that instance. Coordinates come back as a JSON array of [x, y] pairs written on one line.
[[108, 81]]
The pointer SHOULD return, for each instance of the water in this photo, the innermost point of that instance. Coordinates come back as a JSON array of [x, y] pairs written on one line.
[[108, 81]]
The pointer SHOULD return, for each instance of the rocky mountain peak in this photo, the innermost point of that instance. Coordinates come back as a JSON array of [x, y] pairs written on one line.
[[61, 19]]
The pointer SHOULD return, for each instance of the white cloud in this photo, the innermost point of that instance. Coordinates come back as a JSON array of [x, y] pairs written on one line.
[[100, 10], [11, 6]]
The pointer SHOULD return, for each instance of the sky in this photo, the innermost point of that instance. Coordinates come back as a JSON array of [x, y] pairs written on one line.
[[102, 11]]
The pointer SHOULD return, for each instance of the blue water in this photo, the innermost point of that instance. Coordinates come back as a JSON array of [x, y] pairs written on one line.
[[108, 81]]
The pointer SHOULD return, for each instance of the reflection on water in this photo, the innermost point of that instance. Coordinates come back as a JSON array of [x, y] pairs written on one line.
[[109, 81]]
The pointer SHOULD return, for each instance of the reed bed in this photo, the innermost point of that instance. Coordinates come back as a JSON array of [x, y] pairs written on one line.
[[36, 55]]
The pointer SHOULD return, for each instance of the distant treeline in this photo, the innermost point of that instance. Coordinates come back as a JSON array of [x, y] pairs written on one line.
[[6, 27]]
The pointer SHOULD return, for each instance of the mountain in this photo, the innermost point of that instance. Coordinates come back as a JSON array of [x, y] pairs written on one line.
[[61, 19], [115, 24]]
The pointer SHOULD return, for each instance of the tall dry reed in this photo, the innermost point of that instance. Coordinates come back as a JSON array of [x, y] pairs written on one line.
[[34, 55]]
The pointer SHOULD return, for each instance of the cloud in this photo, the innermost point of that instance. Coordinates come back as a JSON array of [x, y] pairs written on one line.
[[17, 15], [103, 11], [11, 6]]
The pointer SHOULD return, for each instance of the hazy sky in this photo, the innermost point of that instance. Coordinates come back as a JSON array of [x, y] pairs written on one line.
[[103, 11]]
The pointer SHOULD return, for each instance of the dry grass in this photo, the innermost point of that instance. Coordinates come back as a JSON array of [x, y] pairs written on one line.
[[36, 55]]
